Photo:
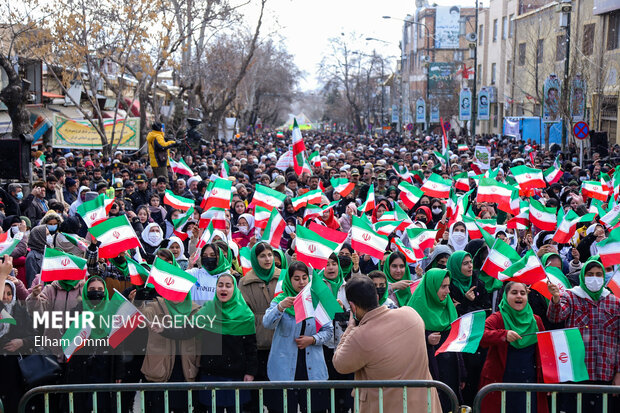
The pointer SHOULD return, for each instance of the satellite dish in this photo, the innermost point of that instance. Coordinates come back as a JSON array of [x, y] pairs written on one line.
[[471, 37]]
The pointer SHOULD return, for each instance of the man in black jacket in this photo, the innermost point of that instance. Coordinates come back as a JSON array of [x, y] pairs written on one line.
[[13, 199]]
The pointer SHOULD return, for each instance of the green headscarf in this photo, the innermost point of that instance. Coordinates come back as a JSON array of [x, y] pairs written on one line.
[[232, 318], [402, 296], [595, 296], [282, 259], [437, 315], [68, 285], [336, 282], [522, 322], [98, 310], [461, 281], [547, 256], [223, 264], [346, 272], [260, 272], [122, 268], [287, 291]]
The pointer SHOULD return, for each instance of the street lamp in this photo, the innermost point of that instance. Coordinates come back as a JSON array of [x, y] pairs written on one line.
[[382, 86]]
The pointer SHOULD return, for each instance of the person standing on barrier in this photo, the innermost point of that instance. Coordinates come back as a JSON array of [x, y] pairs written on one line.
[[383, 344], [513, 357], [432, 301], [297, 348], [596, 312]]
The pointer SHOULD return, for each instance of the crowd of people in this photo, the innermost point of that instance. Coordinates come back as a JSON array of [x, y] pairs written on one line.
[[259, 337]]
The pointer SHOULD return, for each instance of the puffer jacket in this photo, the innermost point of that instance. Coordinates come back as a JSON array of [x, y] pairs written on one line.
[[258, 295]]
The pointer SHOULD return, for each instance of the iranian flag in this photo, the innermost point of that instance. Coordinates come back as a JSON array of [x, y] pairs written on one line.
[[331, 234], [542, 217], [369, 204], [614, 283], [170, 281], [528, 270], [267, 198], [244, 260], [312, 248], [75, 240], [316, 300], [180, 167], [554, 173], [567, 225], [58, 265], [224, 169], [179, 222], [420, 239], [124, 317], [385, 227], [217, 216], [609, 248], [409, 253], [465, 333], [177, 202], [299, 147], [365, 240], [96, 210], [593, 189], [528, 178], [274, 229], [342, 186], [74, 338], [398, 216], [522, 220], [612, 217], [403, 173], [116, 236], [311, 197], [409, 194], [40, 161], [311, 212], [8, 244], [473, 226], [462, 147], [315, 158], [500, 258], [261, 217], [461, 182], [562, 355], [137, 273], [437, 187], [492, 191], [555, 276], [220, 194], [206, 236]]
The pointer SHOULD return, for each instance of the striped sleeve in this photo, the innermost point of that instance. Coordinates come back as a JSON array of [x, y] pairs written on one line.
[[560, 311], [92, 258]]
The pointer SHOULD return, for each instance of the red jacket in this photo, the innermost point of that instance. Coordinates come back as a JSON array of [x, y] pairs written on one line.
[[493, 370]]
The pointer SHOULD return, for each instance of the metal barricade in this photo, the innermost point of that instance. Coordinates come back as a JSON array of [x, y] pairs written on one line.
[[553, 389], [214, 387]]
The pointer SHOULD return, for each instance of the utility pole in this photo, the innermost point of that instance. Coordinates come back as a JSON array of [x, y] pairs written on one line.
[[474, 100], [566, 87]]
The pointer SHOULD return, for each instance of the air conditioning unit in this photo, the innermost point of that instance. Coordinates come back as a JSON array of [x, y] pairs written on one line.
[[471, 37]]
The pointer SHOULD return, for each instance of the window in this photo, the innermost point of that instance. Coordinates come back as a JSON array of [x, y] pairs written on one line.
[[613, 31], [539, 50], [560, 48], [504, 27], [511, 25], [521, 54], [480, 34], [587, 47], [495, 30], [479, 75], [508, 71], [493, 72]]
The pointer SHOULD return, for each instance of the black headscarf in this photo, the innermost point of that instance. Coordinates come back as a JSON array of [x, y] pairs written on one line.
[[38, 238]]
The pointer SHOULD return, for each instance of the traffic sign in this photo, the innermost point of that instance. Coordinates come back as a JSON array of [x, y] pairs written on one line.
[[581, 130], [409, 126], [447, 125]]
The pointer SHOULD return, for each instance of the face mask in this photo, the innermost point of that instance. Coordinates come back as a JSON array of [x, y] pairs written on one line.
[[52, 228], [582, 178], [381, 291], [49, 239], [289, 229], [14, 230], [345, 261], [20, 195], [153, 237], [422, 219], [209, 263], [459, 237], [594, 284], [243, 229], [574, 160], [437, 211], [441, 266], [95, 296]]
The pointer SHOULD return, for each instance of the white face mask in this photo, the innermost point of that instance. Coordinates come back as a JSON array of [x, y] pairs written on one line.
[[49, 239], [243, 229], [594, 284], [154, 237], [14, 230], [436, 211], [459, 237]]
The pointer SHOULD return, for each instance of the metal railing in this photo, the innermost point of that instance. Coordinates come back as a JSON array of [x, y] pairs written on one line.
[[553, 389], [214, 387]]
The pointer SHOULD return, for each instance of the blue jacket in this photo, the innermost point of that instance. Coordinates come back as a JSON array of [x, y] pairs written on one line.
[[283, 354]]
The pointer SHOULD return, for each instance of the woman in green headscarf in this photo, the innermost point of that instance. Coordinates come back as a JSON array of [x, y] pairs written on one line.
[[398, 276], [513, 357], [280, 259], [465, 287], [431, 299], [213, 262]]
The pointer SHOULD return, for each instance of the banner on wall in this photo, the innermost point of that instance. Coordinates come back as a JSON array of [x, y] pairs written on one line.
[[447, 27], [420, 111], [483, 104], [76, 134], [578, 99], [434, 116], [551, 99], [465, 105]]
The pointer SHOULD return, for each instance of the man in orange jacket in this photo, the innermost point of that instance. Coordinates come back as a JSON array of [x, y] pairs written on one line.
[[158, 150]]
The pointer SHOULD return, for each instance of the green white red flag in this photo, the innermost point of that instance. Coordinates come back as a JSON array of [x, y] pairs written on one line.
[[528, 270], [404, 174], [312, 248], [409, 253], [369, 204], [170, 281], [96, 210], [137, 273], [342, 186], [554, 173], [274, 229], [567, 225], [116, 236], [124, 318], [437, 187], [301, 165], [473, 226], [180, 167], [261, 216], [542, 217], [528, 178], [316, 300], [58, 265], [224, 169], [522, 220], [75, 240], [219, 195], [179, 223], [267, 198], [609, 248], [311, 197], [244, 260], [461, 182], [8, 243], [462, 147], [562, 355], [74, 338], [409, 194], [315, 158], [331, 234], [217, 216], [206, 236], [555, 276], [177, 202], [420, 239], [593, 189], [492, 191], [614, 283], [465, 333], [612, 217], [40, 161], [365, 240], [501, 257]]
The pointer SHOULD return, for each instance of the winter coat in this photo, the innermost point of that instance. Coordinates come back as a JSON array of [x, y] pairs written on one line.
[[258, 296]]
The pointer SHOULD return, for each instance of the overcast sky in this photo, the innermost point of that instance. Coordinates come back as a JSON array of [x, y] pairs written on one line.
[[307, 25]]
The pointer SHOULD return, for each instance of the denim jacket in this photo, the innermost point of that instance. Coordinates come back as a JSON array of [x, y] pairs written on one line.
[[283, 354]]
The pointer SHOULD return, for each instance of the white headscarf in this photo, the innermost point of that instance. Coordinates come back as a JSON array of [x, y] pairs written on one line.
[[4, 327], [146, 238], [250, 220], [457, 242], [176, 240]]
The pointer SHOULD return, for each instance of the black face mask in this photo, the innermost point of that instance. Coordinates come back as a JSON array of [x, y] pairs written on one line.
[[209, 263], [145, 294], [381, 291], [95, 296], [422, 219], [120, 260], [345, 261], [441, 266]]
